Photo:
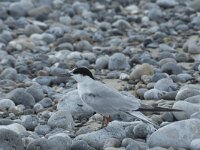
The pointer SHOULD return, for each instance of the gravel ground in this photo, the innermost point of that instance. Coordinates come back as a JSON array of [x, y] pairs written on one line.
[[149, 49]]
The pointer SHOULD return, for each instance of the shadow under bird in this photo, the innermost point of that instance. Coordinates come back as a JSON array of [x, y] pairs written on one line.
[[106, 100]]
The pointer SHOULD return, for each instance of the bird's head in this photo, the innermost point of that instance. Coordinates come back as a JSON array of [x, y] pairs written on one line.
[[81, 73]]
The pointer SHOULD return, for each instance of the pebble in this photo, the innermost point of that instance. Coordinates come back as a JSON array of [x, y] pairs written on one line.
[[186, 92], [153, 94], [118, 61], [46, 102], [42, 129], [102, 62], [195, 144], [171, 68], [173, 135], [20, 96], [166, 3], [166, 84], [81, 145], [188, 109], [36, 92], [61, 119], [144, 69], [15, 127], [6, 104], [30, 122], [10, 140]]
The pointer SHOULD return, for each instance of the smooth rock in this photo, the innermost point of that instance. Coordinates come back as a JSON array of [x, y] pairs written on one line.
[[20, 96], [118, 61], [61, 119], [46, 102], [166, 3], [188, 109], [81, 145], [173, 135], [19, 9], [153, 94], [36, 92], [40, 13], [10, 140], [102, 62], [141, 131], [42, 129], [83, 46], [171, 68], [17, 128], [166, 85], [6, 104], [144, 69], [195, 144], [30, 121], [72, 103], [186, 92], [121, 24], [112, 142]]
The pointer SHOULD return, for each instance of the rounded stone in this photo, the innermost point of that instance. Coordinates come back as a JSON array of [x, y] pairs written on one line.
[[171, 68], [30, 121], [42, 129], [10, 140], [6, 104], [36, 92], [166, 84], [46, 102], [118, 61], [61, 119], [81, 145], [141, 131], [20, 96], [102, 62], [195, 144], [144, 69], [173, 135]]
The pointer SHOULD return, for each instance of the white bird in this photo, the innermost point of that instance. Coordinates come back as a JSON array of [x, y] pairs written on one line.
[[106, 100]]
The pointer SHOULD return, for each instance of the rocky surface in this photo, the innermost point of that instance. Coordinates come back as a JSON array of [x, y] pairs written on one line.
[[146, 48]]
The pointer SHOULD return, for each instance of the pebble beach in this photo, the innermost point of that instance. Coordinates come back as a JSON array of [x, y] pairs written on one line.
[[149, 49]]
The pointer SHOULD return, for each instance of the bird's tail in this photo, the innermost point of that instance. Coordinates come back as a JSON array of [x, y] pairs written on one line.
[[156, 109], [144, 118]]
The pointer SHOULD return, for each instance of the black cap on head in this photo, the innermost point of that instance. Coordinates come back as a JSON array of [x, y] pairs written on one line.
[[83, 71]]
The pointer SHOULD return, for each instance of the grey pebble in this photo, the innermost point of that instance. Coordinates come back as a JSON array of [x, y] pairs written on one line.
[[20, 96], [166, 84], [6, 104], [61, 119], [153, 94], [10, 140], [30, 121], [40, 13], [141, 131], [42, 129], [46, 102], [112, 142], [36, 92], [118, 61], [195, 144], [180, 130], [81, 145], [171, 68]]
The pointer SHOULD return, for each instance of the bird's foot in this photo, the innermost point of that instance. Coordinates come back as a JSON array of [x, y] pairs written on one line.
[[106, 120]]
